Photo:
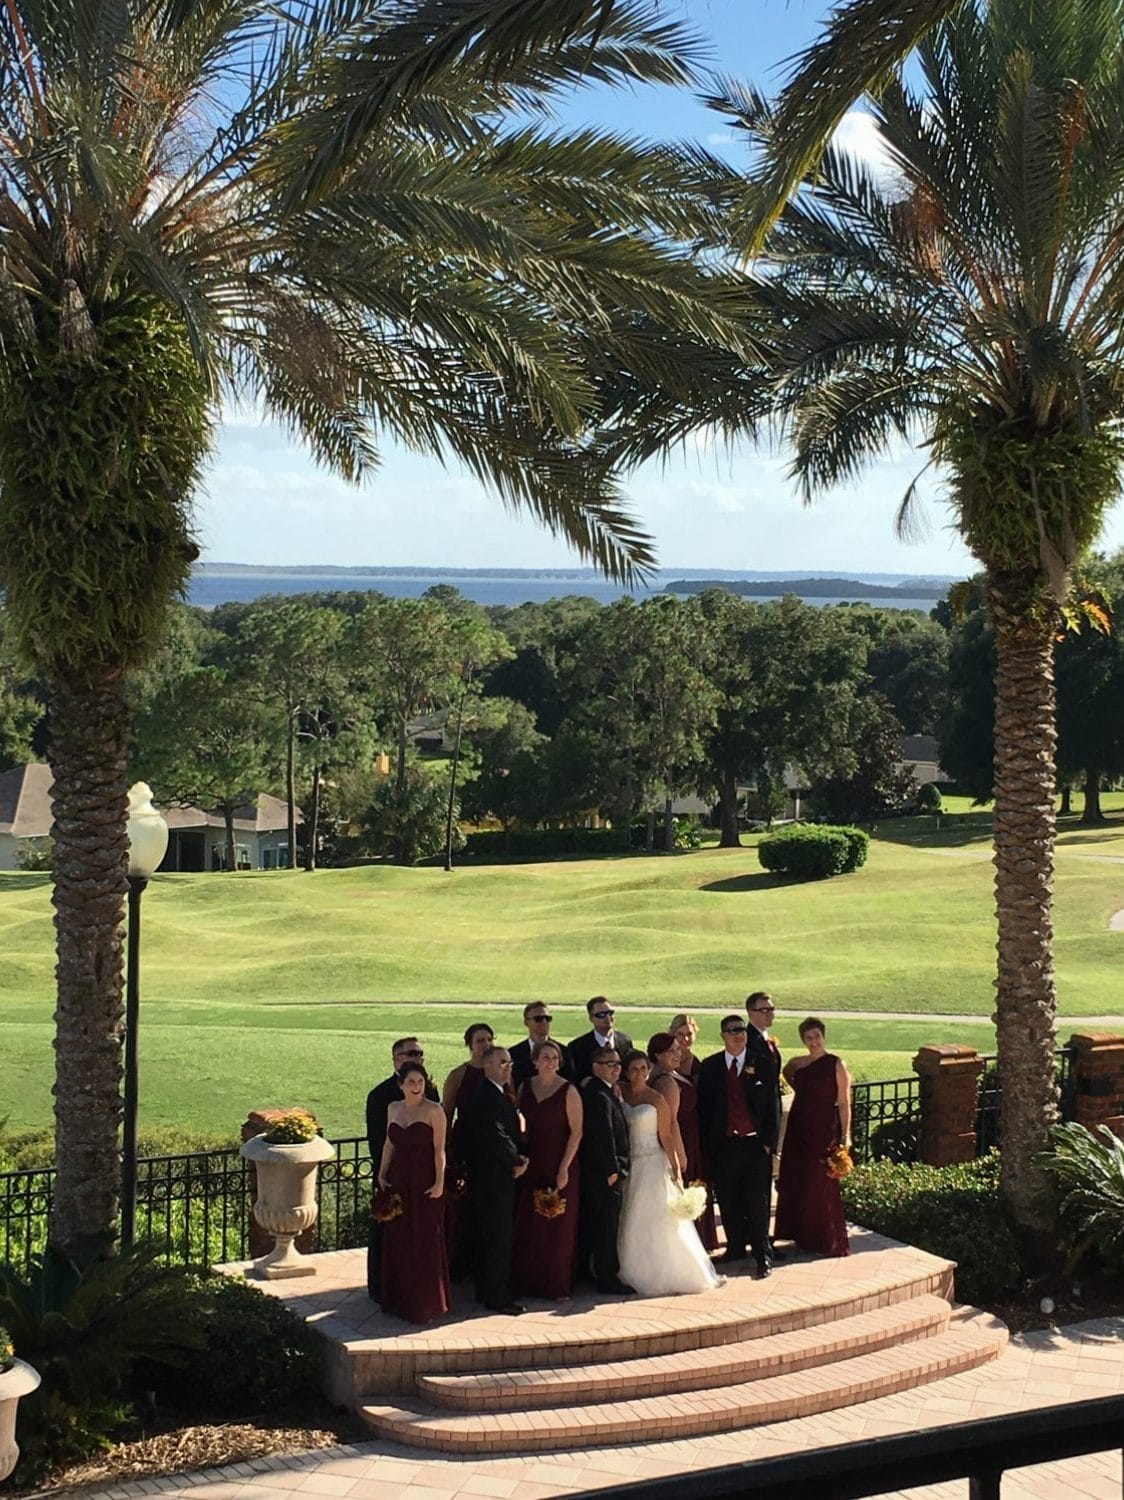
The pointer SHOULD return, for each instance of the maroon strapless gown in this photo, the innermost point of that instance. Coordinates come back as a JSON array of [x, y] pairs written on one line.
[[543, 1261], [809, 1204], [688, 1118], [415, 1270], [457, 1234]]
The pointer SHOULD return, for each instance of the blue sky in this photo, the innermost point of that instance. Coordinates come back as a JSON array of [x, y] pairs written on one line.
[[265, 502]]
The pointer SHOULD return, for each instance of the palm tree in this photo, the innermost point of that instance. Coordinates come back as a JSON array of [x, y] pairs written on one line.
[[970, 295], [318, 206]]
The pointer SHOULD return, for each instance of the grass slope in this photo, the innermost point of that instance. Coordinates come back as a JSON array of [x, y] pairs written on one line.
[[282, 987]]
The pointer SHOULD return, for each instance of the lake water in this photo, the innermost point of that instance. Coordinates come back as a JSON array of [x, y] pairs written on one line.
[[211, 588]]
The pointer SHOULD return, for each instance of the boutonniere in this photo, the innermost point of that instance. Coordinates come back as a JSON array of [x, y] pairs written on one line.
[[751, 1071]]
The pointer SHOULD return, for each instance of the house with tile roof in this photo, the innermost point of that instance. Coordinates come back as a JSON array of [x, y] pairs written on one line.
[[196, 836]]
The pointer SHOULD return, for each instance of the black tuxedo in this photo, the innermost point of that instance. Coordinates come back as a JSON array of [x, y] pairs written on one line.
[[605, 1150], [523, 1068], [583, 1049], [741, 1166], [765, 1056], [379, 1100], [492, 1149]]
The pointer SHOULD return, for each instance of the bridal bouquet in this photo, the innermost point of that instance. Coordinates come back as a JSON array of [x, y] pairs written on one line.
[[386, 1206], [549, 1203], [688, 1202], [839, 1164]]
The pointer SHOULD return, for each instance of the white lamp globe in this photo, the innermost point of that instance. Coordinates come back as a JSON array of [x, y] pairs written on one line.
[[148, 832]]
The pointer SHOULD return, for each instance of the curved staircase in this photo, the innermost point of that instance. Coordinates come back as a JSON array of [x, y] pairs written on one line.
[[817, 1336]]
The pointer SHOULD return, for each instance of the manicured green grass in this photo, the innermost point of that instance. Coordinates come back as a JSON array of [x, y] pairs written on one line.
[[283, 987]]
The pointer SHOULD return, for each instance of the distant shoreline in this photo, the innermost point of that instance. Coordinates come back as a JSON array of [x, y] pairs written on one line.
[[683, 579], [813, 588]]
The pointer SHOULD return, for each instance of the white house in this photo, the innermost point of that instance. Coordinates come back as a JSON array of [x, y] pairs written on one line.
[[196, 838]]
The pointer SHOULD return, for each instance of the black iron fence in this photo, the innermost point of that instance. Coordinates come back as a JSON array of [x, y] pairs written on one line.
[[196, 1205], [886, 1119]]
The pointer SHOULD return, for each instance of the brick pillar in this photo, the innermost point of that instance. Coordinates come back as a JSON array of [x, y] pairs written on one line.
[[950, 1087], [1098, 1070], [261, 1241]]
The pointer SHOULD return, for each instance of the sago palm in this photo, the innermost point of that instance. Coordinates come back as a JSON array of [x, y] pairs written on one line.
[[317, 205], [969, 295]]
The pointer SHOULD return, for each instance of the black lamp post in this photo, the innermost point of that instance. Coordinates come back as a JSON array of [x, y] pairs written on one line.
[[148, 843]]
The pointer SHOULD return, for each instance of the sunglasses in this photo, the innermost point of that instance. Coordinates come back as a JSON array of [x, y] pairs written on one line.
[[545, 1019], [733, 1031], [604, 1015], [411, 1052], [603, 1062], [763, 1010]]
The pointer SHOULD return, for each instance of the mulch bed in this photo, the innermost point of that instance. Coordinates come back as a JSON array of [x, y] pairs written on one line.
[[178, 1443], [1076, 1299]]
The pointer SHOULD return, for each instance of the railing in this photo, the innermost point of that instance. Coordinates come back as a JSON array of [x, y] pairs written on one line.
[[987, 1113], [980, 1452], [886, 1119], [196, 1205]]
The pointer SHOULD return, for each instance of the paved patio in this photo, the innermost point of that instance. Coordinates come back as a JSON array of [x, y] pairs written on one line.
[[1038, 1370]]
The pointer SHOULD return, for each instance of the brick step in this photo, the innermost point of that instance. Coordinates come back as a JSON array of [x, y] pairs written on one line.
[[975, 1339], [596, 1330], [706, 1368]]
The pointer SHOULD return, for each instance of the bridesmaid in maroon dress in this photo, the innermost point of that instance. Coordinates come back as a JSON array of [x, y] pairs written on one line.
[[670, 1078], [459, 1091], [685, 1030], [809, 1204], [543, 1264], [415, 1272]]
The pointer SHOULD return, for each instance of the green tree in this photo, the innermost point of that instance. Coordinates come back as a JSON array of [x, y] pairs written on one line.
[[335, 211], [879, 785], [786, 674], [203, 741], [21, 711], [970, 296], [507, 781]]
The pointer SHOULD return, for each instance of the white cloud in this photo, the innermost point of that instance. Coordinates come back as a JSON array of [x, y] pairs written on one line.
[[858, 135]]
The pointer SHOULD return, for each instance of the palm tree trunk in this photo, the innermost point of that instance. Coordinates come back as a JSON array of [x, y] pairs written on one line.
[[89, 730], [1025, 739], [1092, 812], [728, 802]]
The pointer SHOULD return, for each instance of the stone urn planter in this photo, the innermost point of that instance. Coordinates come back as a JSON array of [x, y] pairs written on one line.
[[19, 1379], [286, 1202]]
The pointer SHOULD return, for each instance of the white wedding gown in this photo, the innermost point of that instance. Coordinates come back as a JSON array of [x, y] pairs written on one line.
[[659, 1254]]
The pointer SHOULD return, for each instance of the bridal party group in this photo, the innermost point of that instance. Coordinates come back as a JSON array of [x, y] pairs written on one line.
[[547, 1164]]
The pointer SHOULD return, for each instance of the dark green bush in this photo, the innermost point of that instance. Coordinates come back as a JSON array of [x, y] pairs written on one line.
[[808, 851], [254, 1356], [929, 798], [858, 847], [1089, 1170], [953, 1212]]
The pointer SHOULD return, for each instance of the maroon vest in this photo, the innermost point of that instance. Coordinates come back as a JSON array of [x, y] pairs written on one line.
[[739, 1116]]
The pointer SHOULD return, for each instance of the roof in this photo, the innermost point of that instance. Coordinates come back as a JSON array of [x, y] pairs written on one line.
[[920, 747], [26, 812], [25, 801]]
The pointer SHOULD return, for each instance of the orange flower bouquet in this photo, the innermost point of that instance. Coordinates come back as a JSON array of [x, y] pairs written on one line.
[[839, 1164], [386, 1206], [549, 1203]]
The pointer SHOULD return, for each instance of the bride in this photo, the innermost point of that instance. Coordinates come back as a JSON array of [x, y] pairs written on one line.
[[659, 1253]]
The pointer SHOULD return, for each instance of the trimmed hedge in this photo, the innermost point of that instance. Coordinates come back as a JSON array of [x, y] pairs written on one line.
[[953, 1212], [813, 851]]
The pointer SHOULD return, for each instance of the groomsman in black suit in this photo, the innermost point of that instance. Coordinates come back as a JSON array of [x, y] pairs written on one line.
[[495, 1160], [606, 1159], [379, 1100], [537, 1019], [585, 1048], [760, 1046], [739, 1117]]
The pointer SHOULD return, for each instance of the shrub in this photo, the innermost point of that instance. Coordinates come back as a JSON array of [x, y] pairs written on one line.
[[929, 798], [807, 851], [858, 847], [36, 856], [7, 1349], [254, 1355], [953, 1212], [1090, 1173], [85, 1332]]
